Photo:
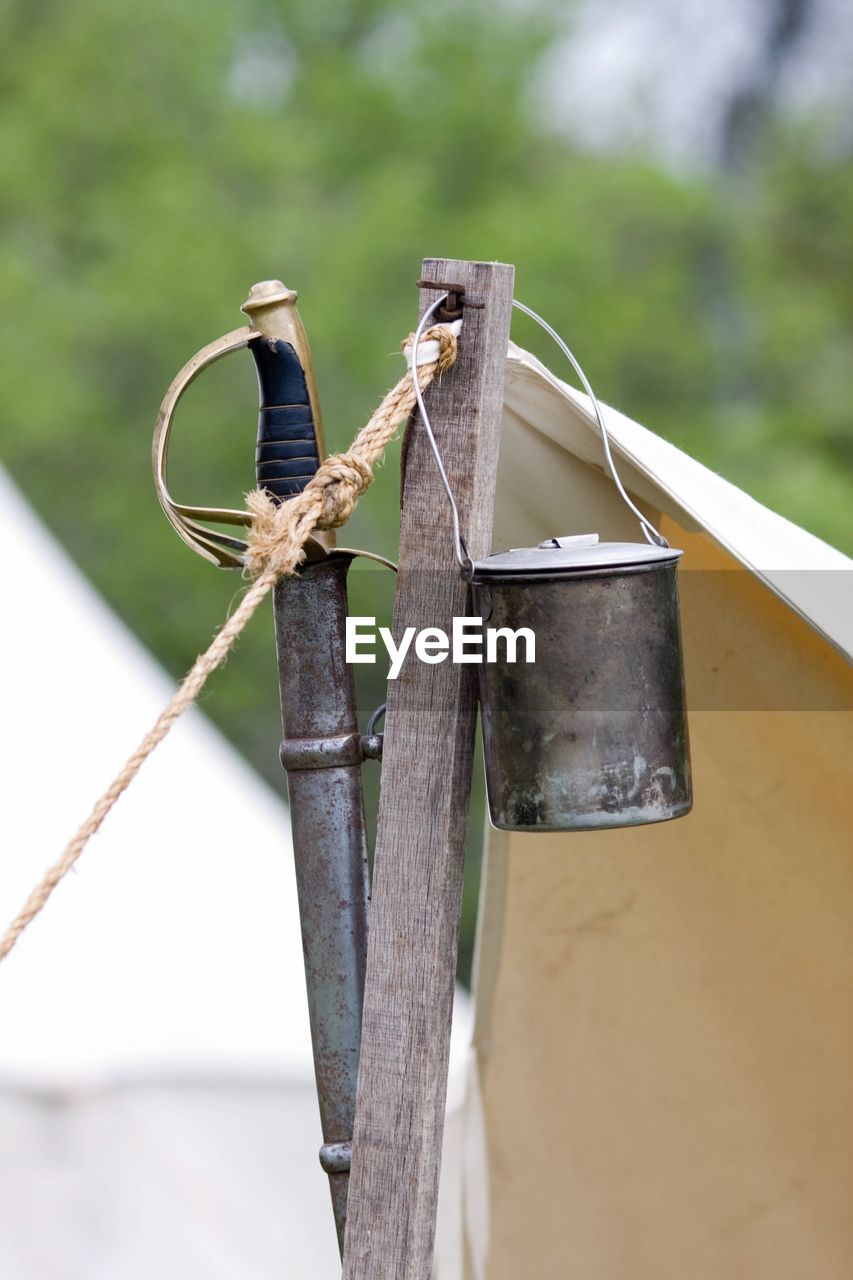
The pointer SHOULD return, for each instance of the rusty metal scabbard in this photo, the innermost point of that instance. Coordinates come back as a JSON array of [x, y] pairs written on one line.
[[322, 754]]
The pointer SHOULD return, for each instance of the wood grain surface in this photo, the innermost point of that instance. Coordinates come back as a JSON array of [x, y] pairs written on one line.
[[426, 775]]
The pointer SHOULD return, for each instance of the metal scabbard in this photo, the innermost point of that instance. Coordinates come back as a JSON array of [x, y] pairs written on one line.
[[322, 754]]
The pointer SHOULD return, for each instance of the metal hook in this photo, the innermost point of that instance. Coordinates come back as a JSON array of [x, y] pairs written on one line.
[[375, 716]]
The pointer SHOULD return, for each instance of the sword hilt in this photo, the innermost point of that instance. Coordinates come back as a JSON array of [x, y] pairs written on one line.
[[290, 446], [286, 457], [290, 432]]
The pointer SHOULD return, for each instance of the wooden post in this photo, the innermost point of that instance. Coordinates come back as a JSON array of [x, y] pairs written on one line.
[[426, 778]]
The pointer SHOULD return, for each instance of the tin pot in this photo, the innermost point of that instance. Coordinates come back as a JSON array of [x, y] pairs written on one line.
[[592, 733]]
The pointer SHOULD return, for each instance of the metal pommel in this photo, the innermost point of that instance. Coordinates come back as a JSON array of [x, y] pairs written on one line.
[[266, 293]]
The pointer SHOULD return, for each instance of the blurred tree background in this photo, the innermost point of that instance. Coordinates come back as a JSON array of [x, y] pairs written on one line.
[[159, 158]]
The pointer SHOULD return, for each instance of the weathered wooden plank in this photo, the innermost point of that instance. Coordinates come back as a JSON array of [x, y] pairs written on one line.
[[426, 775]]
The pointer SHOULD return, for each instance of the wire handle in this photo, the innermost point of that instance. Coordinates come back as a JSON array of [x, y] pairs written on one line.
[[463, 558], [466, 564], [650, 533]]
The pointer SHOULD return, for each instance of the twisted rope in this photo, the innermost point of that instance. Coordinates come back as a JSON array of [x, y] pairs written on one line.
[[276, 538]]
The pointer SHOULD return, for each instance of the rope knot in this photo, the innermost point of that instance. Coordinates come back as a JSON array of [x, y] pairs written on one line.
[[278, 530], [447, 347], [341, 480]]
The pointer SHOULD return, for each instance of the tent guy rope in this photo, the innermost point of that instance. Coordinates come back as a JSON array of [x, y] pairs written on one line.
[[277, 536]]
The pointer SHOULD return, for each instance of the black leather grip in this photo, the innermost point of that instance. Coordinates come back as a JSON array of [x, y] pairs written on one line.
[[286, 456]]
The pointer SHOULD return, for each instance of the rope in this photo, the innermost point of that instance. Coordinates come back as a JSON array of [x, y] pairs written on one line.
[[276, 538]]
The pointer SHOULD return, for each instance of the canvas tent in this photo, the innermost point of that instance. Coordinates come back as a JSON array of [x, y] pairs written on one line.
[[660, 1081], [156, 1084]]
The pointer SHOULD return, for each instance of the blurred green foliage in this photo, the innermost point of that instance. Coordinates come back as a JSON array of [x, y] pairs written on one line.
[[159, 158]]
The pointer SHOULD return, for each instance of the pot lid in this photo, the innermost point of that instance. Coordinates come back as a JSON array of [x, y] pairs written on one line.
[[579, 552]]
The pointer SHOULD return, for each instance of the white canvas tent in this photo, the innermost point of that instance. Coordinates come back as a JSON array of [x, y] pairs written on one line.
[[156, 1084], [660, 1080]]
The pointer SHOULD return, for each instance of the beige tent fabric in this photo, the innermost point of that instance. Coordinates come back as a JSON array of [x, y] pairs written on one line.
[[661, 1083]]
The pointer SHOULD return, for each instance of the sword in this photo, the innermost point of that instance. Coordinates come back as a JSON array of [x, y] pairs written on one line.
[[322, 750]]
